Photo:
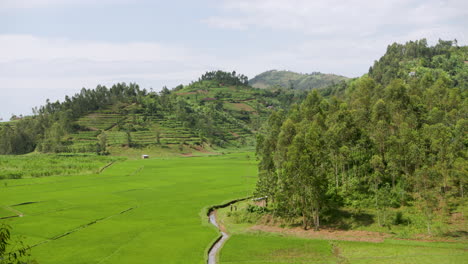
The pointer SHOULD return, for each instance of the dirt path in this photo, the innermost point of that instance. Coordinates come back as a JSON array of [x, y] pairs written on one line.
[[344, 235], [328, 234]]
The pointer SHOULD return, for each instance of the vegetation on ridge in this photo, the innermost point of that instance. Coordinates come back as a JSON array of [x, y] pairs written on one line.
[[219, 109], [295, 81], [393, 138]]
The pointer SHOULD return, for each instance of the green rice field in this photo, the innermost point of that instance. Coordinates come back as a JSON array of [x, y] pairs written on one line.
[[35, 165], [136, 211]]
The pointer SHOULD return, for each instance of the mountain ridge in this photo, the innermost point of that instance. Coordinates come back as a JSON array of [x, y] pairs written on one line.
[[294, 80]]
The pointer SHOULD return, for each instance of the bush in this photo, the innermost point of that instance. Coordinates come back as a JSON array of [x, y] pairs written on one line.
[[250, 215], [256, 209], [15, 175]]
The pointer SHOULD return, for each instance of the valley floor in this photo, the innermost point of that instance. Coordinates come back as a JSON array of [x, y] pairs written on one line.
[[135, 211], [154, 211]]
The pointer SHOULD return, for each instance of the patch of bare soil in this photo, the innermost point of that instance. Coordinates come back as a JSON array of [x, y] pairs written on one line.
[[329, 234], [186, 154], [234, 134]]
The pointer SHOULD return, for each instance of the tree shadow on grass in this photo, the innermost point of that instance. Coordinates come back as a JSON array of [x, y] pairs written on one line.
[[346, 220], [457, 234]]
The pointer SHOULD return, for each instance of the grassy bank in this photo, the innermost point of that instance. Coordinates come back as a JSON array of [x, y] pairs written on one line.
[[257, 240]]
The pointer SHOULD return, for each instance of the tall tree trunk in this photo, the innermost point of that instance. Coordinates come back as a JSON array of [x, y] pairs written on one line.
[[336, 174], [316, 219], [304, 214], [461, 189], [304, 220]]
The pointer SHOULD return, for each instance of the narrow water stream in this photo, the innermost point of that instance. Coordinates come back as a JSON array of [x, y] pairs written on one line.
[[218, 244], [224, 236]]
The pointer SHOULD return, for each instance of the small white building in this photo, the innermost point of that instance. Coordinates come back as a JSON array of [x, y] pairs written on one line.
[[145, 156]]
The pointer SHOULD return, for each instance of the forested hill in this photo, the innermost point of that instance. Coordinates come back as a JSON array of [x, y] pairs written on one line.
[[220, 109], [395, 137], [293, 80]]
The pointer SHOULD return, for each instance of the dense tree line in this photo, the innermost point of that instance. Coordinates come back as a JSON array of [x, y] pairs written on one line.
[[225, 78], [416, 58], [45, 130], [388, 139]]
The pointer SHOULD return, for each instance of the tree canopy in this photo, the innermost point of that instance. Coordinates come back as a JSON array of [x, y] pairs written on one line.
[[388, 139]]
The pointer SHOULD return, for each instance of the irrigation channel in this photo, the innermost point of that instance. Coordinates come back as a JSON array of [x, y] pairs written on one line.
[[214, 249], [219, 242]]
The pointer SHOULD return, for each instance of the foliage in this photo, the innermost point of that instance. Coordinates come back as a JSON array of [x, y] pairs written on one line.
[[391, 138], [225, 78], [11, 252]]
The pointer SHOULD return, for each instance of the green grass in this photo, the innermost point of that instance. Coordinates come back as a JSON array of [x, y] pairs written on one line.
[[263, 248], [169, 197], [5, 212], [40, 165], [269, 248], [404, 252]]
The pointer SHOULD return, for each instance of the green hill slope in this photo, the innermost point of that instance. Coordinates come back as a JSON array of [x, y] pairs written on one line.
[[294, 80], [218, 110]]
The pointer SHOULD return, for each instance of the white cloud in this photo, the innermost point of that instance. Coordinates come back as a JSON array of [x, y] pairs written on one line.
[[333, 36], [23, 4], [343, 37], [19, 47], [353, 18], [34, 68]]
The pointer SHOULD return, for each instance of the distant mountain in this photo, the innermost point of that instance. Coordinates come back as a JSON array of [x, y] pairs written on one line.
[[294, 80]]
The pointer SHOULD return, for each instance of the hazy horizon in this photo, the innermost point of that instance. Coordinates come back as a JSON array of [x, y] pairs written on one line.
[[53, 48]]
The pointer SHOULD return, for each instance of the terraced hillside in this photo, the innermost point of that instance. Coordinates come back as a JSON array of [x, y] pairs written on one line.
[[112, 128], [218, 110], [204, 113]]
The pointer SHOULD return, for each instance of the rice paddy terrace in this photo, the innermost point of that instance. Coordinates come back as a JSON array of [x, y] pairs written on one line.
[[156, 131], [235, 112]]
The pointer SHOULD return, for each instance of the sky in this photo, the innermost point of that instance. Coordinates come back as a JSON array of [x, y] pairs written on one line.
[[53, 48]]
